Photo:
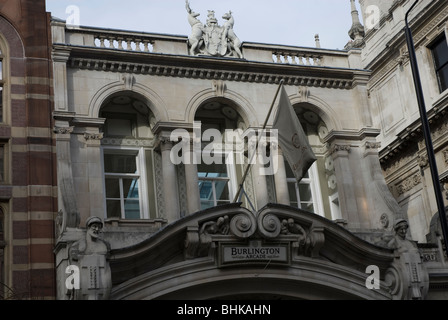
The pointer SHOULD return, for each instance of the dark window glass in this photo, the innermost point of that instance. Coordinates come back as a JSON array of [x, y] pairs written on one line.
[[440, 53]]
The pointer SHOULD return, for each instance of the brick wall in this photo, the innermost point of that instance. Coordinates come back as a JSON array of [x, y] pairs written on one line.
[[29, 194]]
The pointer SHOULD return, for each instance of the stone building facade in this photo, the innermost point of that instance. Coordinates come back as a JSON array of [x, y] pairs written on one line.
[[134, 222], [28, 194]]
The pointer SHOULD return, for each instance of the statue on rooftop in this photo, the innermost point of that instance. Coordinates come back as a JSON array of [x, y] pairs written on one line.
[[212, 39]]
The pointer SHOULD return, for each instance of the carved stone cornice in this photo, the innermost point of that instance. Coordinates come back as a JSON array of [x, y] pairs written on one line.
[[363, 134], [338, 79]]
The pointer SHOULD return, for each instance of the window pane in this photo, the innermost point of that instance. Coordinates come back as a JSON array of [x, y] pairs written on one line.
[[113, 208], [132, 209], [441, 53], [130, 189], [293, 194], [305, 193], [1, 69], [205, 190], [443, 77], [117, 163], [113, 188], [222, 191]]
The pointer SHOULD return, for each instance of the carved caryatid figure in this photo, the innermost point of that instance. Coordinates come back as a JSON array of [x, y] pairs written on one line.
[[91, 255], [228, 33], [400, 242], [197, 30]]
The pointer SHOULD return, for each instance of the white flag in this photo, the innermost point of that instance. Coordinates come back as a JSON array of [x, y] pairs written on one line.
[[292, 139]]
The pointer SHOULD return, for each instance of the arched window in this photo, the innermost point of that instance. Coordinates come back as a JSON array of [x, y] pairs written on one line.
[[127, 151], [317, 192], [217, 171]]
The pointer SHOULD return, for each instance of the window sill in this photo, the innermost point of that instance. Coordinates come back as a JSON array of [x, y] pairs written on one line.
[[120, 223], [441, 100]]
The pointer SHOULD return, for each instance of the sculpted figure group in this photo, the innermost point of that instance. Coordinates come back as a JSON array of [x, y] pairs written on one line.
[[212, 39]]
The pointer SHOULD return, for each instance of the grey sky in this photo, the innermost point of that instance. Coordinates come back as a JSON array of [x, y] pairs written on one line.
[[288, 22]]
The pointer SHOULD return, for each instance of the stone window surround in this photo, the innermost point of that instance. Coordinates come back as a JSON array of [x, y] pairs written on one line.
[[231, 172], [316, 194], [430, 47], [141, 167]]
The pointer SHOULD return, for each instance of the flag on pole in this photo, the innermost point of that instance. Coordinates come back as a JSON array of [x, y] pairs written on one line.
[[292, 139]]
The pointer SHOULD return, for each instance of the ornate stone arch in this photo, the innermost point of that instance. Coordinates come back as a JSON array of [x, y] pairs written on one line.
[[242, 105], [153, 100], [13, 42], [11, 47], [323, 109]]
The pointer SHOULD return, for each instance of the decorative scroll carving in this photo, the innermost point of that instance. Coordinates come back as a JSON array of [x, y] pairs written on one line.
[[200, 241], [243, 226], [269, 225]]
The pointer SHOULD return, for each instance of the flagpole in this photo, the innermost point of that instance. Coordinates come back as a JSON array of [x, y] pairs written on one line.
[[246, 172]]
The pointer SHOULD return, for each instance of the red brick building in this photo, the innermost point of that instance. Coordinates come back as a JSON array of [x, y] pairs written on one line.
[[28, 197]]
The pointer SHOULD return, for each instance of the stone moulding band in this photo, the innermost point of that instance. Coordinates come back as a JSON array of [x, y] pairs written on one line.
[[181, 72]]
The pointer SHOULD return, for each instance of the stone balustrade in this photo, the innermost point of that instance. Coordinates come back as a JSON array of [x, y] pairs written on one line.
[[297, 57], [122, 42], [141, 42]]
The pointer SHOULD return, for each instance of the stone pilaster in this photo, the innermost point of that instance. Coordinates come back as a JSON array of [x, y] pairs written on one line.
[[170, 189]]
